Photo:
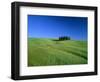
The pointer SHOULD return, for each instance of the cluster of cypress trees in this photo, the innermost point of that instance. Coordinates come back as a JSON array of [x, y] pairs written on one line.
[[64, 38]]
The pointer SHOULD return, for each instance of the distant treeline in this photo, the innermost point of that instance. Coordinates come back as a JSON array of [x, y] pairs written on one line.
[[64, 38]]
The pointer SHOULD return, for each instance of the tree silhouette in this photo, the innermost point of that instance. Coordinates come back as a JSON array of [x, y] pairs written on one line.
[[64, 38]]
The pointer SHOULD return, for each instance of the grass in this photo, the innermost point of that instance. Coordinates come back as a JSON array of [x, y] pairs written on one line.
[[45, 52]]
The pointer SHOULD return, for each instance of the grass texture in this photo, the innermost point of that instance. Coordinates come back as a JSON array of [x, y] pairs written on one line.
[[47, 52]]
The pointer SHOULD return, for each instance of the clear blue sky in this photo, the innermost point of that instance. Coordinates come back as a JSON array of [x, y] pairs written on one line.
[[40, 26]]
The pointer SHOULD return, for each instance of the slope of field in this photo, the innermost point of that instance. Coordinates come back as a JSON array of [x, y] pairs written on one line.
[[44, 52]]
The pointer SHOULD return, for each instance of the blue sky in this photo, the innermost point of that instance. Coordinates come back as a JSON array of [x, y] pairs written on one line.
[[40, 26]]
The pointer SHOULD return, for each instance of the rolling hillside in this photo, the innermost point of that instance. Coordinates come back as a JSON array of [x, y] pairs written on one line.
[[44, 52]]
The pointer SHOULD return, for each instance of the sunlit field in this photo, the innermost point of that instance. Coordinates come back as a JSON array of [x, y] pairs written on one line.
[[45, 52]]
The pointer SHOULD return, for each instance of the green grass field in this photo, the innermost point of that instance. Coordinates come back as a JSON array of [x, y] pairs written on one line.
[[45, 52]]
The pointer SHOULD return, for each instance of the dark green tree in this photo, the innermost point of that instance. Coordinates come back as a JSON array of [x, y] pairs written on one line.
[[64, 38]]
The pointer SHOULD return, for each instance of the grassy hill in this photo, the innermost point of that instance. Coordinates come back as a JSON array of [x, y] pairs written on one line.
[[44, 52]]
